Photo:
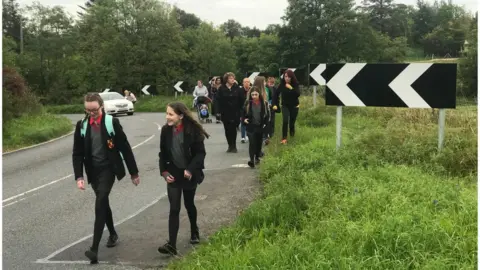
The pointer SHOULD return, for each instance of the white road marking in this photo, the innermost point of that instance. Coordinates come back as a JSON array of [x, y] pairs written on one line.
[[14, 202], [58, 180], [46, 259], [158, 125], [240, 166], [35, 189], [38, 144]]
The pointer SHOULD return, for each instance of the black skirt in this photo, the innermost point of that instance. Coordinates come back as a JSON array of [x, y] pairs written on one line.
[[180, 180]]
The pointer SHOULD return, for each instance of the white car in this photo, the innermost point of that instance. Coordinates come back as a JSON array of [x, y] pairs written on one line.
[[114, 104]]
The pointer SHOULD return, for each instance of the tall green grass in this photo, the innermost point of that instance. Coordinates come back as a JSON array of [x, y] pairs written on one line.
[[386, 200], [159, 103], [32, 129]]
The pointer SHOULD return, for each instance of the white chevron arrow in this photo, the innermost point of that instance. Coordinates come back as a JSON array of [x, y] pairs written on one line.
[[402, 85], [252, 76], [338, 84], [317, 74], [144, 89], [106, 90], [292, 69], [177, 86]]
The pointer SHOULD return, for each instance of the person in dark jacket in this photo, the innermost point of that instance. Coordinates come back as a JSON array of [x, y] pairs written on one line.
[[181, 162], [271, 91], [246, 86], [289, 92], [230, 99], [217, 82], [99, 153], [256, 118]]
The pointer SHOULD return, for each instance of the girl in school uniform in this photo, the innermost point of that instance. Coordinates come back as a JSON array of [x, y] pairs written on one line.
[[182, 154], [256, 116]]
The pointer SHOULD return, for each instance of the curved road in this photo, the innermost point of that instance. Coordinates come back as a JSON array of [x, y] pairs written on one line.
[[48, 222]]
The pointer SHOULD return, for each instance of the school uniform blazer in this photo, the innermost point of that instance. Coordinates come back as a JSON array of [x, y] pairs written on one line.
[[264, 114], [194, 147], [82, 150]]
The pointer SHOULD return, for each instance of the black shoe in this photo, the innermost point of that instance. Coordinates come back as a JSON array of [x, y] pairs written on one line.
[[229, 150], [112, 241], [234, 150], [168, 249], [195, 237], [257, 161], [92, 255], [251, 164]]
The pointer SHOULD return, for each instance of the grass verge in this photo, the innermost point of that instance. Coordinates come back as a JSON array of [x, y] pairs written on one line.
[[386, 200], [33, 129], [143, 104]]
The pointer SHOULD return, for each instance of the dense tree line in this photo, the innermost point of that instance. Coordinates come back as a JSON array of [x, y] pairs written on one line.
[[127, 44]]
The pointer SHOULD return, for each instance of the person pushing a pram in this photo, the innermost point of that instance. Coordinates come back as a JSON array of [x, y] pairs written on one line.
[[199, 91], [201, 101]]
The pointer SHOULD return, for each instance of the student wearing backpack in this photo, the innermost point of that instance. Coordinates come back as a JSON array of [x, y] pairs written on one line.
[[100, 146]]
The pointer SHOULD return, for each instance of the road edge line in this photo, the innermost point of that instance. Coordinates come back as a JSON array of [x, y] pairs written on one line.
[[39, 144], [118, 223]]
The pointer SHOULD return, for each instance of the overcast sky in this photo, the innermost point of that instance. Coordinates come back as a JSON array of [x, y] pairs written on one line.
[[259, 13]]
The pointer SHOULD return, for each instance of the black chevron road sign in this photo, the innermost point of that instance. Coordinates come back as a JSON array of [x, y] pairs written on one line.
[[300, 72], [315, 76], [251, 75], [178, 86], [415, 85]]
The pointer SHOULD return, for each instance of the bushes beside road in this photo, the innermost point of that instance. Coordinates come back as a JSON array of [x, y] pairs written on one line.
[[386, 200], [25, 121]]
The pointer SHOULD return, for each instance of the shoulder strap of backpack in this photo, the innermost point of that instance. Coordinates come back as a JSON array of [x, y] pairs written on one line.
[[109, 125], [83, 130], [110, 129]]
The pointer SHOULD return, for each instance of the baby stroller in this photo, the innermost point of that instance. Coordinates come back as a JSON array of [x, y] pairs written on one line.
[[202, 109]]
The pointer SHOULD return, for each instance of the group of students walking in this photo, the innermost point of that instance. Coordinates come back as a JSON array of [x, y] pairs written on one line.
[[101, 147], [253, 107]]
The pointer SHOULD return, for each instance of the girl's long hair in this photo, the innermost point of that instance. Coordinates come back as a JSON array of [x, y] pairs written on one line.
[[249, 98], [259, 82], [191, 125], [291, 75]]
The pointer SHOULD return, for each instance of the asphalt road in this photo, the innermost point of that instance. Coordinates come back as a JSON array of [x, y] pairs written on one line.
[[48, 222]]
